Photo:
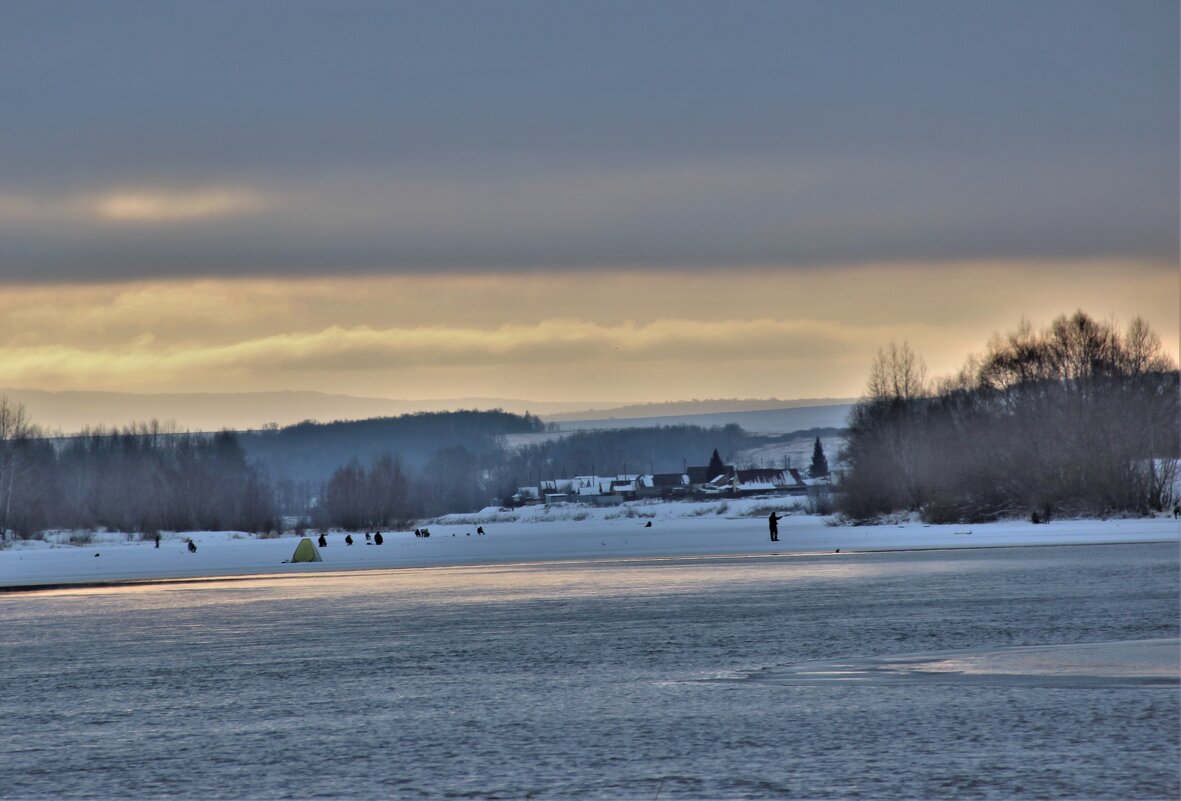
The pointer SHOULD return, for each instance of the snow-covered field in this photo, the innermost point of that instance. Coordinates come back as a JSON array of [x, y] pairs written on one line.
[[536, 534]]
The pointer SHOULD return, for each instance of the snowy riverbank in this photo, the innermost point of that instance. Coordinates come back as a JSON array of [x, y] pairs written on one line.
[[538, 534]]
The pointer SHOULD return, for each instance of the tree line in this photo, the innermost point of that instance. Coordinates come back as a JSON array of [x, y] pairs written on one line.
[[1079, 418], [150, 477], [459, 479], [144, 478]]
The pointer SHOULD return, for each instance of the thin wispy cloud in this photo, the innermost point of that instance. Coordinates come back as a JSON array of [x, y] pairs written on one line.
[[162, 206]]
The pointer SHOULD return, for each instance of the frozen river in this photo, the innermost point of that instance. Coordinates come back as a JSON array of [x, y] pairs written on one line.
[[740, 677]]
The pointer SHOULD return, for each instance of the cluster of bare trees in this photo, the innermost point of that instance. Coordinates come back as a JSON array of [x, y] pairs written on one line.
[[386, 494], [142, 478], [356, 497], [1078, 418]]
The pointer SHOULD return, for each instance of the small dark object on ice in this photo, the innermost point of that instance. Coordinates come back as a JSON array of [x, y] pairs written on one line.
[[773, 524], [323, 541], [192, 547], [368, 537], [648, 524], [157, 540], [479, 529], [377, 538], [348, 539], [469, 533], [838, 550], [426, 532], [98, 554]]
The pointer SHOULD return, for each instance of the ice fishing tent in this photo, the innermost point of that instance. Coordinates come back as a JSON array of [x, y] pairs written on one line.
[[306, 551]]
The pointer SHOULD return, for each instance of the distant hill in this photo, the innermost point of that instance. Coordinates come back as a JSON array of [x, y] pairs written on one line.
[[784, 420], [70, 412], [312, 451], [691, 407]]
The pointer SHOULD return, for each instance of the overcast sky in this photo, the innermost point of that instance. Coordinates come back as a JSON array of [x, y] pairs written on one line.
[[792, 146]]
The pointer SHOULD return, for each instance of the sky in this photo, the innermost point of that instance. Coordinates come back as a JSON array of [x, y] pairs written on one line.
[[572, 201]]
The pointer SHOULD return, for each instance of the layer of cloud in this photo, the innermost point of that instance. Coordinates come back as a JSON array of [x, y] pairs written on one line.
[[128, 207], [595, 335], [193, 142], [138, 206], [531, 217]]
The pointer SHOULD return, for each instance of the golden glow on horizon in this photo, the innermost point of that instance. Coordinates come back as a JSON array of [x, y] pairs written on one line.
[[583, 336]]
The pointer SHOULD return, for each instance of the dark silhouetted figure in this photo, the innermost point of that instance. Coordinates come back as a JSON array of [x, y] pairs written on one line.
[[417, 532], [157, 541], [1176, 510], [323, 541], [192, 547], [377, 538], [348, 539], [648, 524], [479, 529], [773, 523], [368, 537], [426, 532]]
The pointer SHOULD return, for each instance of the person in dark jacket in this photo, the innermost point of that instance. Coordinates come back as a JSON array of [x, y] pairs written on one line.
[[377, 538], [323, 541], [773, 523], [348, 539], [192, 547]]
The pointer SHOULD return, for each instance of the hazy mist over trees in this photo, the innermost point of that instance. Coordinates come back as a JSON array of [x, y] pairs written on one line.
[[1079, 418], [311, 451], [383, 472]]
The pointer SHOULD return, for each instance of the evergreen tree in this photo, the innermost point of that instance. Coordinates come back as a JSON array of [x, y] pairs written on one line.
[[819, 467], [716, 468]]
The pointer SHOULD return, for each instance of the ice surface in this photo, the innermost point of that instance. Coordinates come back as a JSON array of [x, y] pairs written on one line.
[[541, 533], [586, 680], [1096, 664]]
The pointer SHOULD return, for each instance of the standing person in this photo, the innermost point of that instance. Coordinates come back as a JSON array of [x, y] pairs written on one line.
[[157, 540], [773, 523]]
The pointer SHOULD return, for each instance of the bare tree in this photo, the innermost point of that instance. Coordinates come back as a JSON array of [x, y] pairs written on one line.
[[15, 430], [897, 373]]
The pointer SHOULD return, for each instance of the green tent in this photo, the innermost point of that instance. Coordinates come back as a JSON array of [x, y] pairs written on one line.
[[306, 551]]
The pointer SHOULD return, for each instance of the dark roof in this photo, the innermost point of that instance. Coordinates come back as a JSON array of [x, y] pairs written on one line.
[[768, 475], [700, 475], [668, 480]]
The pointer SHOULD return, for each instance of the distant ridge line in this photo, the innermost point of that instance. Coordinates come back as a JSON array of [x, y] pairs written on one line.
[[71, 411], [694, 407]]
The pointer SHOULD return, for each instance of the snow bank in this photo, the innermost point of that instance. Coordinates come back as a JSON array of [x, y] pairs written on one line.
[[538, 534]]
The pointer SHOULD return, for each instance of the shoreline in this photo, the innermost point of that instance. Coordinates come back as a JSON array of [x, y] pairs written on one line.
[[117, 560]]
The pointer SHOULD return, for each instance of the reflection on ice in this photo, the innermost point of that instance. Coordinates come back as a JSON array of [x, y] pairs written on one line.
[[1103, 664]]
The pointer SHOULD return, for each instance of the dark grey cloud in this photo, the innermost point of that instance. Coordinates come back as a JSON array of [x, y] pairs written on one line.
[[404, 137]]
